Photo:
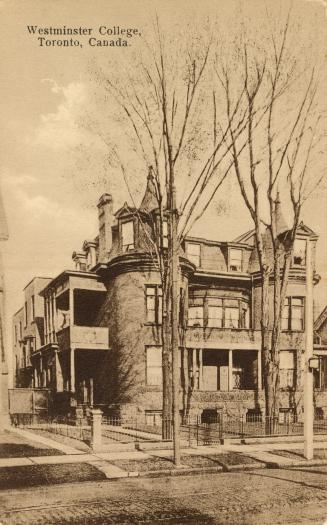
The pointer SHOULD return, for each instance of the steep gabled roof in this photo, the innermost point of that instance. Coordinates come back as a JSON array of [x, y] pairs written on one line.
[[305, 230], [320, 319], [245, 237], [125, 210], [301, 230]]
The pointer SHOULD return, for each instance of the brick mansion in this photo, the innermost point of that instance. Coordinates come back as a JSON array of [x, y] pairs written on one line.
[[92, 334]]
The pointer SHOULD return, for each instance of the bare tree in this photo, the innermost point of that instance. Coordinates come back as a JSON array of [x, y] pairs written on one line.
[[169, 115], [279, 164]]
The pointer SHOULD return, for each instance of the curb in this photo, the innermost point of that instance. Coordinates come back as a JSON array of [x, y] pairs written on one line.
[[292, 464], [187, 471]]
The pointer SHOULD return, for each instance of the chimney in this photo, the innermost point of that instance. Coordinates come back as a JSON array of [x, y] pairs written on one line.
[[281, 225], [106, 219]]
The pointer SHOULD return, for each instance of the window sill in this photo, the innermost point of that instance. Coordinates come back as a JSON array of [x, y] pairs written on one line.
[[293, 331]]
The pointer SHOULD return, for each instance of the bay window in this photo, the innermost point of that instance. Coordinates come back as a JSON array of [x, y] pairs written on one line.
[[195, 313], [216, 312]]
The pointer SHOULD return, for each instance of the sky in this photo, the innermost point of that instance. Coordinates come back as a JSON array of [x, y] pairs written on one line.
[[53, 168]]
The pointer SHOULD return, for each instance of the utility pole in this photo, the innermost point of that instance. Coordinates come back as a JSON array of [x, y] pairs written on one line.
[[308, 376]]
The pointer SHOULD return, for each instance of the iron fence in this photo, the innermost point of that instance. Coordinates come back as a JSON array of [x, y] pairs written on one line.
[[193, 431], [137, 429], [61, 425]]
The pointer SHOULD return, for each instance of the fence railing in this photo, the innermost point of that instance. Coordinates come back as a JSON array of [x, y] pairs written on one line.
[[193, 431], [61, 425], [136, 429]]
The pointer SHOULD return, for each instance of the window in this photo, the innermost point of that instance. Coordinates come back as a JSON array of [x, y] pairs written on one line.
[[20, 330], [165, 234], [16, 334], [32, 308], [215, 313], [153, 365], [293, 314], [193, 253], [221, 313], [154, 304], [299, 252], [195, 312], [25, 314], [232, 317], [235, 260], [127, 229], [287, 369]]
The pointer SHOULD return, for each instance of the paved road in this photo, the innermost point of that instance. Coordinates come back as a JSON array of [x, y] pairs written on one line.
[[262, 497]]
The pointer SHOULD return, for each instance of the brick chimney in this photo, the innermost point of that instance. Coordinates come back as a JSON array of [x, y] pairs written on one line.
[[106, 219]]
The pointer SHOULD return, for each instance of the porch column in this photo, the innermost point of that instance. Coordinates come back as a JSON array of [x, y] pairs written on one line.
[[259, 386], [72, 370], [41, 372], [194, 367], [201, 369], [35, 378], [71, 306], [59, 377], [230, 370], [91, 392]]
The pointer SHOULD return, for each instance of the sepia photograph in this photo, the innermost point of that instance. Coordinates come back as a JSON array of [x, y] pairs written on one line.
[[163, 262]]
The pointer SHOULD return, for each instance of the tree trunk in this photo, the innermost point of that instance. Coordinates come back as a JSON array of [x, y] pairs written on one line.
[[166, 367]]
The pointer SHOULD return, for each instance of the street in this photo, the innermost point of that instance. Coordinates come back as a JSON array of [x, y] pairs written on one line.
[[250, 498]]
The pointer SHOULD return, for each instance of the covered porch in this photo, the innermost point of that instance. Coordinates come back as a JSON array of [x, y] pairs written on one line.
[[226, 370]]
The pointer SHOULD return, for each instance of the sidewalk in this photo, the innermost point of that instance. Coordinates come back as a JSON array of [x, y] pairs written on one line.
[[114, 465]]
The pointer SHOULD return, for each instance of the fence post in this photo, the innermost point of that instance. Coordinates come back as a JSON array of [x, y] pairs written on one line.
[[96, 420]]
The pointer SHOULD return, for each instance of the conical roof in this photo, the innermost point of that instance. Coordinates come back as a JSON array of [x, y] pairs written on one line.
[[149, 201]]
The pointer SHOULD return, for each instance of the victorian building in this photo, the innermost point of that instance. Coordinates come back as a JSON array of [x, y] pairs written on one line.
[[96, 339], [3, 340]]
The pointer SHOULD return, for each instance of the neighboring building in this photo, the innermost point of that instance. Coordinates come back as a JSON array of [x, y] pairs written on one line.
[[28, 333], [3, 347], [102, 335], [320, 349]]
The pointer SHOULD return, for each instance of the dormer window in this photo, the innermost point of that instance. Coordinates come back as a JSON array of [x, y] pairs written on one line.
[[299, 252], [235, 260], [127, 233], [193, 253]]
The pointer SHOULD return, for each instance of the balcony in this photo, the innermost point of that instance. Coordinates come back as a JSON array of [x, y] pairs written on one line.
[[84, 337], [238, 338]]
